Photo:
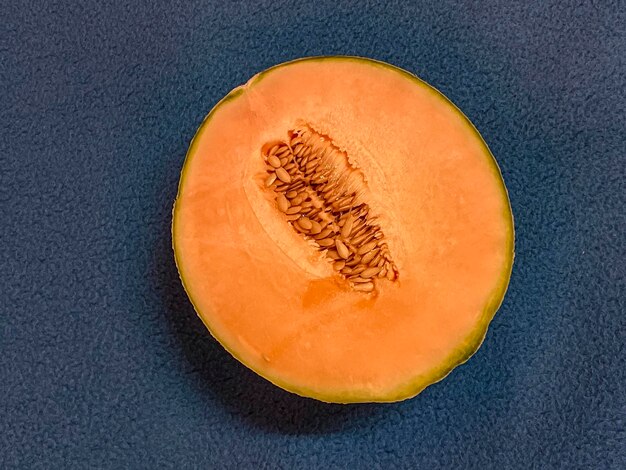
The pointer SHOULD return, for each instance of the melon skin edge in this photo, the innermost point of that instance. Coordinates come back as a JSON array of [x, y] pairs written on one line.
[[473, 341]]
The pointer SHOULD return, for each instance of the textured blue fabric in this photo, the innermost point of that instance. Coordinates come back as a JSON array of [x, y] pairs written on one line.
[[103, 363]]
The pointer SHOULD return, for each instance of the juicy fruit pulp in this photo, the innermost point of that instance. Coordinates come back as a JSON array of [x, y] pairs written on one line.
[[376, 161]]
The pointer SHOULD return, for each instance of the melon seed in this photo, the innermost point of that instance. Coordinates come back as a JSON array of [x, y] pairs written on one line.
[[299, 227], [347, 226], [326, 242], [365, 248], [358, 240], [294, 210], [298, 200], [324, 233], [364, 287], [342, 249], [282, 203], [270, 179], [296, 186], [306, 223], [315, 227], [367, 257], [274, 161], [376, 259], [370, 272], [339, 265], [354, 261], [282, 175], [274, 149]]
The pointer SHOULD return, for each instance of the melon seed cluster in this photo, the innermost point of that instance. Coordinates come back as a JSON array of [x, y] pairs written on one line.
[[322, 203]]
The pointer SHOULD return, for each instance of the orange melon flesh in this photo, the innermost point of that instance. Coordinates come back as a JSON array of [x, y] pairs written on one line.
[[275, 303]]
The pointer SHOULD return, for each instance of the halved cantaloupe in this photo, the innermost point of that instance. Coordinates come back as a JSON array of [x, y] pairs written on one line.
[[343, 230]]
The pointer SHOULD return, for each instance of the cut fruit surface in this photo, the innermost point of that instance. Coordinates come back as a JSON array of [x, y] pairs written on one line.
[[343, 230]]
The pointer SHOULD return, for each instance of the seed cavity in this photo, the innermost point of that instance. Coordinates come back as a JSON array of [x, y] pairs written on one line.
[[322, 196]]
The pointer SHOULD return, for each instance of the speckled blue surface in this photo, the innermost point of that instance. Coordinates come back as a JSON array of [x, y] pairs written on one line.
[[103, 363]]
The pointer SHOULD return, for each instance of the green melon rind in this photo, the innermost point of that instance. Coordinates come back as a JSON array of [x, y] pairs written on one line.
[[457, 357]]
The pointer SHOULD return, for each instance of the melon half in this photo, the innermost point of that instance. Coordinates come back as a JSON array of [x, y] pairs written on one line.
[[343, 230]]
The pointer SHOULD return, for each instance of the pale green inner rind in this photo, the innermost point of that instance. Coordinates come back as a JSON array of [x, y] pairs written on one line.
[[456, 357]]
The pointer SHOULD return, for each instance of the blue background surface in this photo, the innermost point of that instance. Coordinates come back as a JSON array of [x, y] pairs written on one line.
[[103, 362]]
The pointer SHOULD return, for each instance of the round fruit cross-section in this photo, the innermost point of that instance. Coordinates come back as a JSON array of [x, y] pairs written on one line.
[[343, 230]]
